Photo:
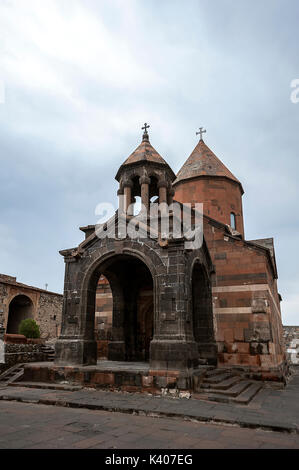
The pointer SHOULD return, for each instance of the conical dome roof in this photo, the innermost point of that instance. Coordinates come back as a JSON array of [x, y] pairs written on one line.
[[203, 162], [145, 152]]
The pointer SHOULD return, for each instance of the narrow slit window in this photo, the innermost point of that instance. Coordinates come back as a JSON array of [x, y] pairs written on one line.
[[233, 221]]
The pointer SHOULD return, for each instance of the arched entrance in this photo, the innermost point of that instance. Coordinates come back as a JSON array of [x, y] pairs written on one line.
[[202, 314], [20, 308], [131, 286]]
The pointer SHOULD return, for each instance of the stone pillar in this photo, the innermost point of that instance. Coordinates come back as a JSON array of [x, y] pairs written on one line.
[[173, 346], [128, 195], [76, 344], [121, 201], [144, 181], [162, 185], [170, 196]]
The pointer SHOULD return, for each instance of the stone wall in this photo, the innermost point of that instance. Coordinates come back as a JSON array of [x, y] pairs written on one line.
[[246, 303], [49, 315], [21, 353]]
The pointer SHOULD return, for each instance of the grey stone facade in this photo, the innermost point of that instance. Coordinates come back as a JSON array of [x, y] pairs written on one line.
[[178, 343], [18, 301]]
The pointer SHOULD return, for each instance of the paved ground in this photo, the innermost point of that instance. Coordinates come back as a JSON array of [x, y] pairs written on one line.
[[31, 426], [271, 409]]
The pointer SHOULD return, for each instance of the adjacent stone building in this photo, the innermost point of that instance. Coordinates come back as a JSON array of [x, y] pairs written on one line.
[[155, 298], [291, 338], [19, 301]]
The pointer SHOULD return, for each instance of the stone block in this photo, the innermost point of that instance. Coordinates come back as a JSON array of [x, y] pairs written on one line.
[[147, 381], [267, 360], [258, 348], [258, 332], [243, 348], [15, 339], [100, 378], [229, 335], [254, 360], [231, 359], [259, 305], [271, 348], [238, 334]]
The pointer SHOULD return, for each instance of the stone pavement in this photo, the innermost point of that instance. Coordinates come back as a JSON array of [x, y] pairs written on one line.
[[31, 426], [276, 410]]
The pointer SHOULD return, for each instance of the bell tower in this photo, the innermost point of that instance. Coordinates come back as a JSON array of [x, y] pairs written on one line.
[[145, 174]]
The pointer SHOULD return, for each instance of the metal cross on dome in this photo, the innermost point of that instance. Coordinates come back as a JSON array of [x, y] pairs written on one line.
[[146, 126], [201, 132]]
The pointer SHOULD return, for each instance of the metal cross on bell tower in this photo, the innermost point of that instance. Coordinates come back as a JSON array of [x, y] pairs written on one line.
[[201, 132], [145, 134], [146, 126]]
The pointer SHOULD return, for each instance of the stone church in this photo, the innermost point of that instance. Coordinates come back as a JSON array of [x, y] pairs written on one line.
[[152, 297]]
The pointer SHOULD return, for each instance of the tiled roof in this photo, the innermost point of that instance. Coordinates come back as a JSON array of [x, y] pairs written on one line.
[[203, 162], [145, 152]]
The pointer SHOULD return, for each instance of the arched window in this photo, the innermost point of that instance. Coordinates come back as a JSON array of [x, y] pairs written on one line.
[[233, 221]]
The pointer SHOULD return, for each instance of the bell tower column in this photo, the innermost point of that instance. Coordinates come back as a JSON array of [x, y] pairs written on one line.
[[121, 201], [127, 195], [162, 185], [170, 196], [144, 182]]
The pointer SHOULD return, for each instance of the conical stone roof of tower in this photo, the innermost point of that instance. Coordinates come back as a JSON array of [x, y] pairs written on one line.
[[145, 152], [203, 162]]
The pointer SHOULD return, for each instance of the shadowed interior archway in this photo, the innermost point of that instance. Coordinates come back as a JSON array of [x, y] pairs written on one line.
[[132, 329], [202, 314], [20, 308]]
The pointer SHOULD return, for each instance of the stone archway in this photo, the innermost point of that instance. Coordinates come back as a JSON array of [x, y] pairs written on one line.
[[20, 308], [202, 314], [131, 285]]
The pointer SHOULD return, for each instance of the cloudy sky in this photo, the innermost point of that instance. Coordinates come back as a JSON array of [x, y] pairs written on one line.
[[79, 77]]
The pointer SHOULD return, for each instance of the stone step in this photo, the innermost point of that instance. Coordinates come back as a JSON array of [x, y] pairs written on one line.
[[214, 371], [228, 382], [47, 386], [216, 397], [245, 397], [14, 371], [224, 385], [12, 374], [232, 391], [215, 379]]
